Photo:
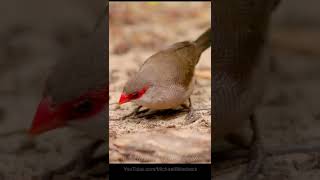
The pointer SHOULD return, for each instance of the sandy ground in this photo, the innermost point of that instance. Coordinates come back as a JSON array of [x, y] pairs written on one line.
[[134, 36], [30, 45], [290, 112]]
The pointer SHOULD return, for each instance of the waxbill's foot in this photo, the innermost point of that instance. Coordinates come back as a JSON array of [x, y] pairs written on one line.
[[191, 116], [81, 162], [135, 113], [166, 113], [257, 153], [254, 152]]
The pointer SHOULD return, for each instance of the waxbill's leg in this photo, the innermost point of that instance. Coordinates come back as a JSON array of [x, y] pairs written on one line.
[[147, 113], [135, 112], [257, 153], [191, 116], [254, 151]]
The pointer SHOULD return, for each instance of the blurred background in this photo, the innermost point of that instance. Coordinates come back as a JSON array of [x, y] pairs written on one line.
[[290, 114], [33, 36], [138, 30]]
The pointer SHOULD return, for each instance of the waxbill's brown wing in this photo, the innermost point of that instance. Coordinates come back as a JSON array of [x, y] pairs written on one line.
[[76, 91], [165, 80]]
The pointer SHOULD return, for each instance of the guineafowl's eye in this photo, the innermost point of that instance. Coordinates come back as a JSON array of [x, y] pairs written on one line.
[[84, 106]]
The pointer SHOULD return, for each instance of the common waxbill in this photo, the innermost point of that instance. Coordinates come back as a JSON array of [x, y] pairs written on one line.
[[165, 80], [76, 91]]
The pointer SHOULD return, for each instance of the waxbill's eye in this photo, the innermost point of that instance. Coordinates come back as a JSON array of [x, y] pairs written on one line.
[[135, 95], [84, 106]]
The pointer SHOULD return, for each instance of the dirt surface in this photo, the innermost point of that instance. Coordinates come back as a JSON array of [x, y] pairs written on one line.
[[134, 36], [289, 115]]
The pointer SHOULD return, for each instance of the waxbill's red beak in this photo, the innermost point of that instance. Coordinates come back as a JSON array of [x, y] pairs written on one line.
[[46, 118], [124, 98]]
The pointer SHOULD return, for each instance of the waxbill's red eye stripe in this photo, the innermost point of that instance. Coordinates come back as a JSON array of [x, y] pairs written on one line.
[[128, 97], [168, 75]]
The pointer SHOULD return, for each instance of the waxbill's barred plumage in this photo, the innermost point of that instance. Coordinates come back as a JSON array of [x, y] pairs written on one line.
[[165, 80], [76, 91]]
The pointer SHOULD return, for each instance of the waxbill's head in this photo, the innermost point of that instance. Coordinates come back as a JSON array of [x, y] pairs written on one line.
[[76, 90], [134, 89], [51, 115]]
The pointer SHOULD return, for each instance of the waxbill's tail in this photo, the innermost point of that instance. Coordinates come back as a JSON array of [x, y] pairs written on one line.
[[204, 41]]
